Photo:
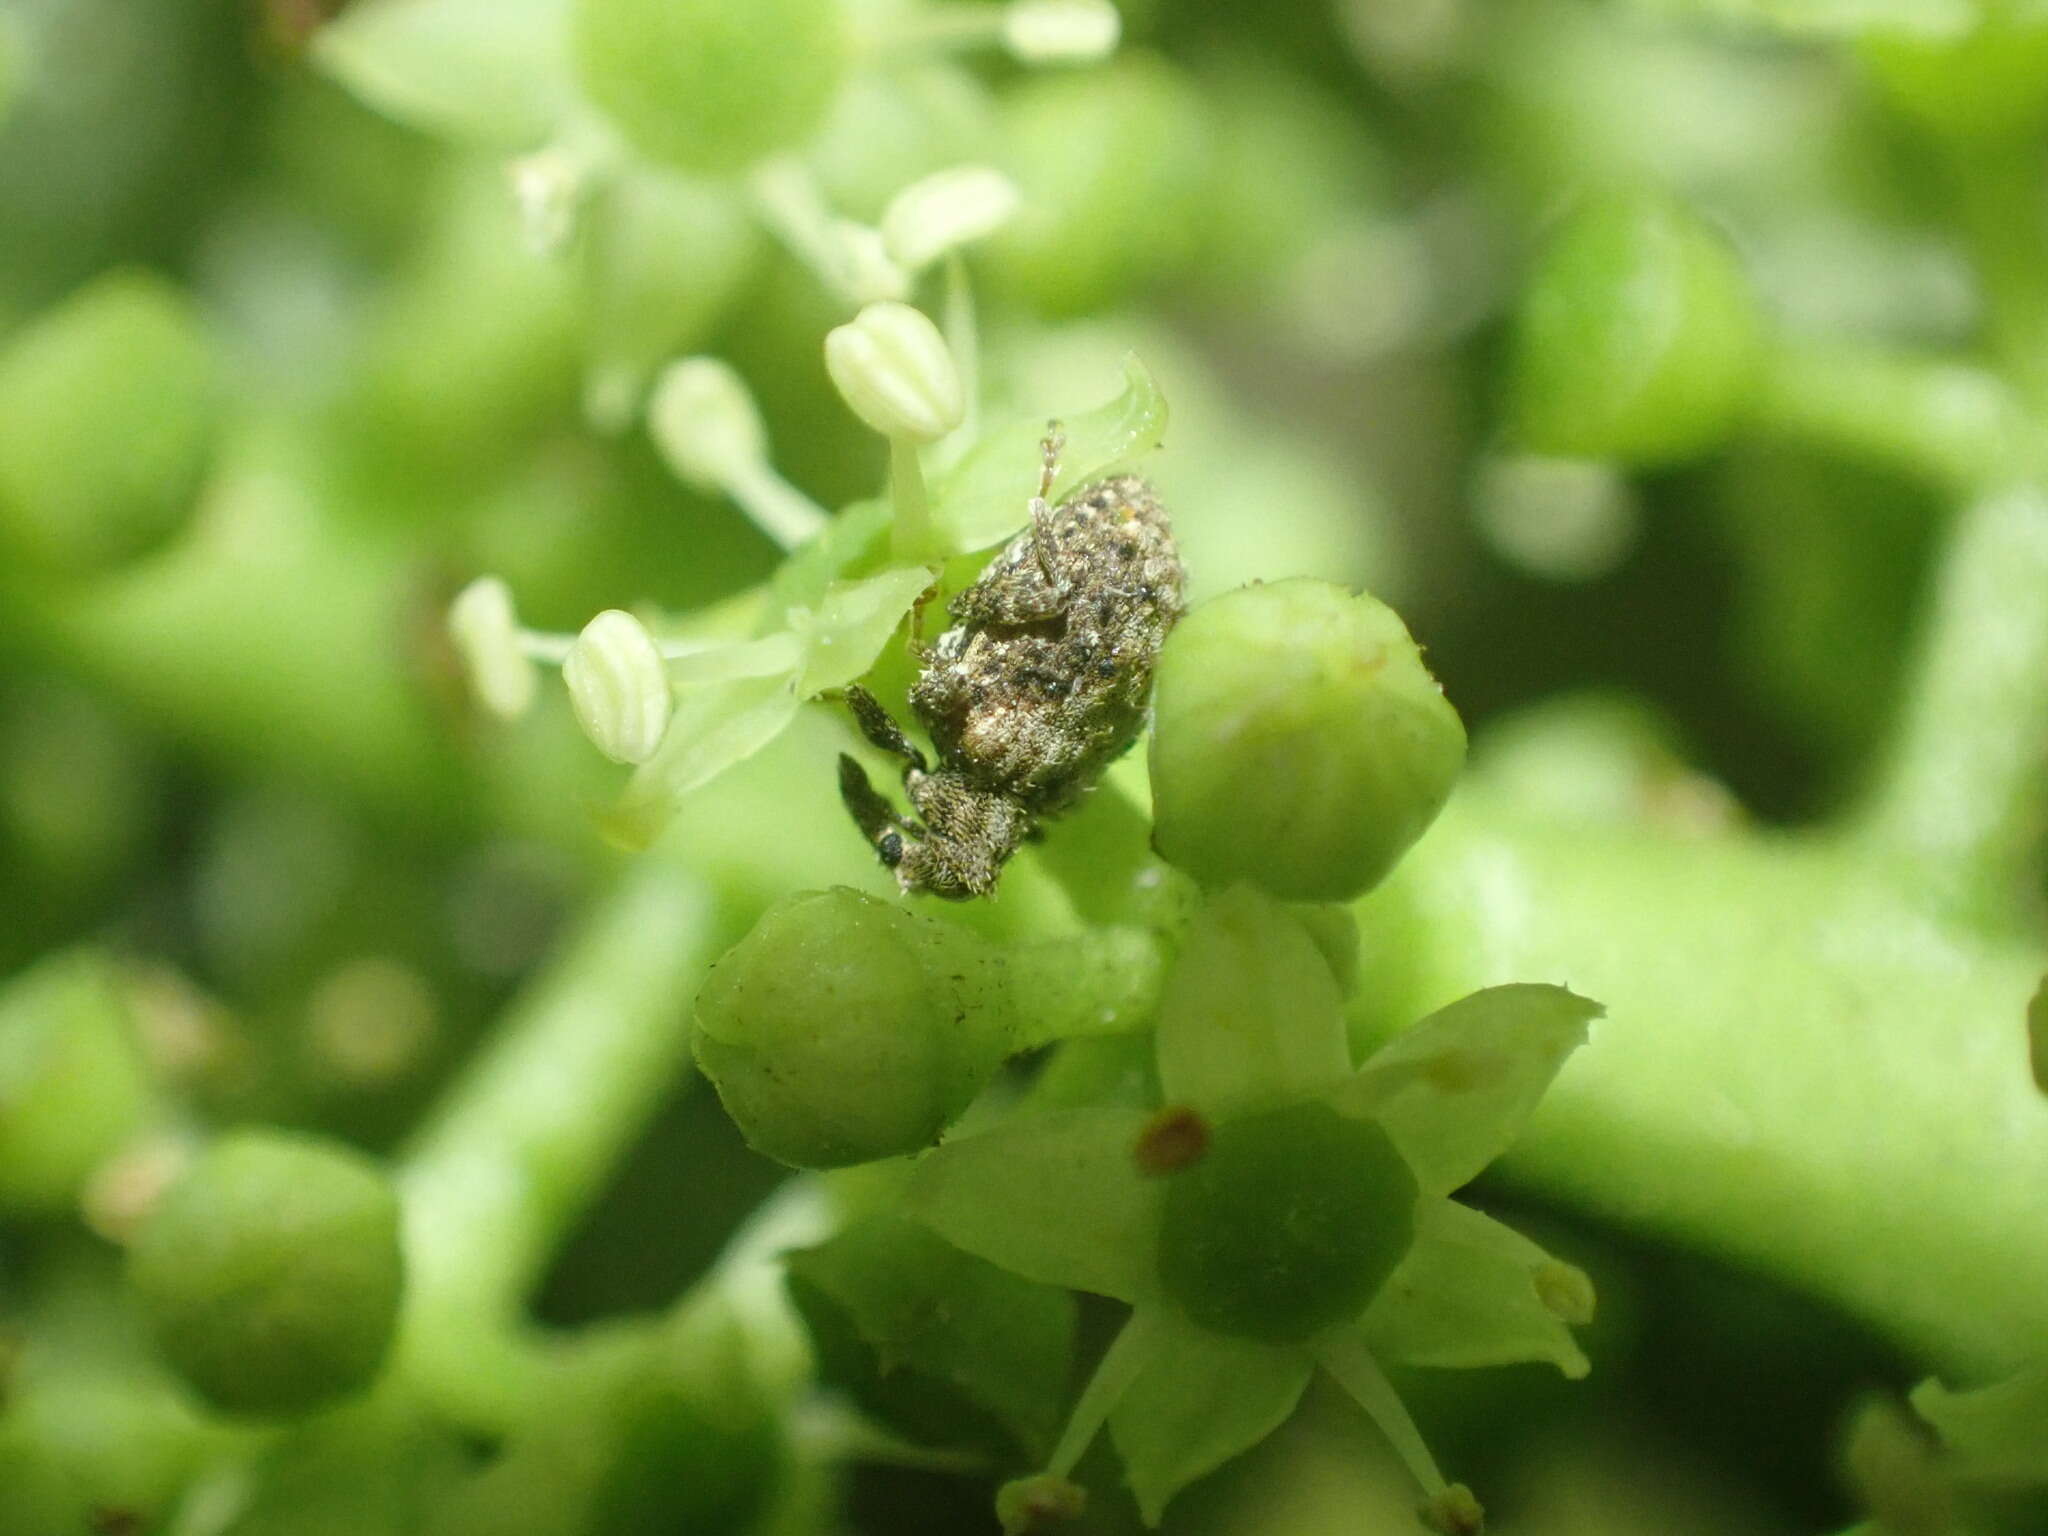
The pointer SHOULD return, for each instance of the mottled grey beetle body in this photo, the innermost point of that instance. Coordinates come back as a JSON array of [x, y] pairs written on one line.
[[1039, 685]]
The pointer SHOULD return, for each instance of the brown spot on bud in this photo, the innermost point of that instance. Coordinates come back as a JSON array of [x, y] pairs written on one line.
[[1175, 1138]]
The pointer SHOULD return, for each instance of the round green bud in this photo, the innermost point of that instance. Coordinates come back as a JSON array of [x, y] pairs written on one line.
[[108, 410], [73, 1087], [844, 1029], [1289, 1224], [1299, 742], [270, 1273], [1638, 336], [709, 85]]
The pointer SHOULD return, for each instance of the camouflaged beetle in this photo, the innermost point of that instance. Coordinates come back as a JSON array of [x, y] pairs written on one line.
[[1040, 684]]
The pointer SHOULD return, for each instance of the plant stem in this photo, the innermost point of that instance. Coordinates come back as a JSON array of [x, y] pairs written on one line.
[[911, 538], [1798, 1069], [1948, 422], [527, 1137], [963, 340], [776, 507], [1962, 799]]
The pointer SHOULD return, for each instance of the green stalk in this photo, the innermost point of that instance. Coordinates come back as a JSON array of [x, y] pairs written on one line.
[[529, 1135], [1946, 422], [910, 538], [1798, 1070], [1962, 799]]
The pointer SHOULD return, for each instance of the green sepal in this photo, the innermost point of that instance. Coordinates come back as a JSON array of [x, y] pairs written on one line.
[[1455, 1090], [713, 728], [941, 1346], [1994, 1433], [852, 622], [1056, 1198], [852, 543], [775, 655], [1251, 1016], [1470, 1293], [984, 499], [1199, 1400], [487, 72]]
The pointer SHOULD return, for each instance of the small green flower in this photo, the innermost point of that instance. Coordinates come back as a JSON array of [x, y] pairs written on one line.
[[822, 623], [1285, 1213]]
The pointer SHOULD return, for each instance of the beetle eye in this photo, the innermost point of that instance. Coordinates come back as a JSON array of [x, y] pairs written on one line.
[[891, 849]]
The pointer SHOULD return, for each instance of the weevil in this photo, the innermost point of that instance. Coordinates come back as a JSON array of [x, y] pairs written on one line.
[[1041, 682]]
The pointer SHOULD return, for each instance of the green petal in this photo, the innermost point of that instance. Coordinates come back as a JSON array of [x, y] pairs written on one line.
[[987, 495], [484, 71], [1251, 1017], [1055, 1198], [1454, 1091], [713, 728], [940, 1346], [1471, 1292], [771, 656], [1994, 1433], [854, 538], [851, 624], [1200, 1400]]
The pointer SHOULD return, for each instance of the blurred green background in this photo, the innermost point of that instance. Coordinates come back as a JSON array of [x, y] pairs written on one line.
[[1640, 354]]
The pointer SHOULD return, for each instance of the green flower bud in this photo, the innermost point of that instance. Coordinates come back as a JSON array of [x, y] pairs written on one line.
[[894, 369], [270, 1273], [1638, 336], [72, 1084], [708, 85], [845, 1029], [1299, 742], [1289, 1223], [108, 408], [618, 686]]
